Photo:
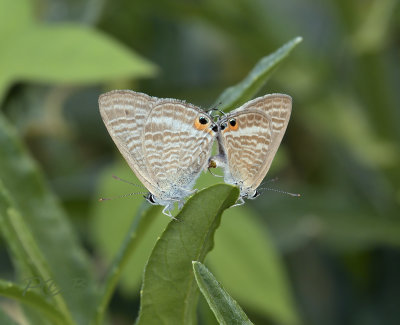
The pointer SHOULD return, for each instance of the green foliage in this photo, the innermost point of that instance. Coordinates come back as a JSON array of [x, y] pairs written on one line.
[[341, 152], [37, 301], [62, 53], [25, 251], [38, 251], [236, 95], [259, 281], [135, 235], [169, 292], [225, 308], [241, 245], [202, 213]]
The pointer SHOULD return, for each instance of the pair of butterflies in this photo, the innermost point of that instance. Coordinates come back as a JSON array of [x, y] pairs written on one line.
[[168, 142]]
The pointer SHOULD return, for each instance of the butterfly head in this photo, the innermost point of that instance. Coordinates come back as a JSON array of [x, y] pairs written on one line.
[[247, 192], [150, 198], [254, 195]]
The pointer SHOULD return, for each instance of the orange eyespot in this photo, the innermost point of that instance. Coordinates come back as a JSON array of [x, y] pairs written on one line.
[[201, 122], [233, 124]]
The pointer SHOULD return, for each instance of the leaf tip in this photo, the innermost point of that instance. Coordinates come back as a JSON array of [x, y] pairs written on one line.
[[298, 39]]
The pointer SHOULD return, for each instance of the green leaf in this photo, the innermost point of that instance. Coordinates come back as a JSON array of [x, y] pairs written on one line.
[[244, 245], [76, 54], [23, 246], [259, 282], [48, 225], [169, 293], [225, 308], [60, 53], [236, 95], [31, 298], [138, 230]]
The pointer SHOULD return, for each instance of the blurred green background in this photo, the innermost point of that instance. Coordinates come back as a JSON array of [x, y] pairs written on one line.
[[336, 248]]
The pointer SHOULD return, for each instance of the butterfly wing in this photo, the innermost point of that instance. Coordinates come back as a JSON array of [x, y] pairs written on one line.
[[250, 146], [124, 113], [176, 145]]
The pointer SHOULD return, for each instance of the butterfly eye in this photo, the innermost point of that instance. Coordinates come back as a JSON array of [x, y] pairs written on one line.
[[150, 198], [203, 120], [232, 122]]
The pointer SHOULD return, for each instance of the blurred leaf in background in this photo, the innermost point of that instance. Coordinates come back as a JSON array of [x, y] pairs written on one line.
[[59, 53]]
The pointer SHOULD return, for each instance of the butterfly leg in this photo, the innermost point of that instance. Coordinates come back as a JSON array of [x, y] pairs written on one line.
[[239, 202], [167, 211]]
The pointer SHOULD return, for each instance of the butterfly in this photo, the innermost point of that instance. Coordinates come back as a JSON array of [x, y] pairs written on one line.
[[166, 142], [248, 138]]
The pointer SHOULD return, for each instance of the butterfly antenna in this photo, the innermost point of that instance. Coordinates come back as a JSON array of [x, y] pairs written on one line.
[[217, 109], [279, 191], [120, 196], [128, 182]]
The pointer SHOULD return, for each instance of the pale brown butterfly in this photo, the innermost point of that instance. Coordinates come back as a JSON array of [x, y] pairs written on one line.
[[248, 138], [166, 142]]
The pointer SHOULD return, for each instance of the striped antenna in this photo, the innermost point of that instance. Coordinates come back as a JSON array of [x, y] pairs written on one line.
[[279, 191], [120, 196]]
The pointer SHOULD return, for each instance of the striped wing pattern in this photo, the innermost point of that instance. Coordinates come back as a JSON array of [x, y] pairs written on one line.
[[158, 140], [247, 147], [167, 145], [261, 124], [124, 113], [176, 151]]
